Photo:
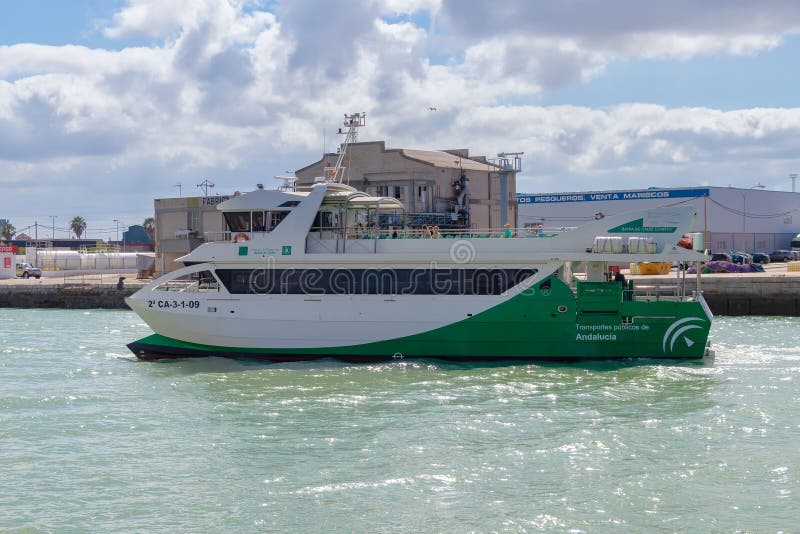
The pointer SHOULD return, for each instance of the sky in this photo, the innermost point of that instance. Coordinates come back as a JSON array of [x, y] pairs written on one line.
[[107, 105]]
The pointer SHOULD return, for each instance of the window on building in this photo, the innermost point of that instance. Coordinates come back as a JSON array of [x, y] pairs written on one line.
[[397, 192], [382, 190]]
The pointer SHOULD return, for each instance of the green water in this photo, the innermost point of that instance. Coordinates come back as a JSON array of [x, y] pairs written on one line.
[[92, 440]]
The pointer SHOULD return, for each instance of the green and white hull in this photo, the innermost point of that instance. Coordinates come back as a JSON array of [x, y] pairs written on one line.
[[528, 323], [297, 291]]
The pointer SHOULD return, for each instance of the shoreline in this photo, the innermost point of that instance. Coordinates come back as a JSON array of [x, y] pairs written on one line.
[[775, 292]]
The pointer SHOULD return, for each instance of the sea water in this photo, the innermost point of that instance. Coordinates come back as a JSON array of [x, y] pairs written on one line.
[[92, 440]]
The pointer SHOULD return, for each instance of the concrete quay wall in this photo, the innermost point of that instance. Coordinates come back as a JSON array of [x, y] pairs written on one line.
[[64, 296], [726, 294], [740, 294]]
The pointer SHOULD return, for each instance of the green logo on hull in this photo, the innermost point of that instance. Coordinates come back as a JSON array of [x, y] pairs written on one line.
[[286, 250], [242, 251], [638, 227], [677, 331]]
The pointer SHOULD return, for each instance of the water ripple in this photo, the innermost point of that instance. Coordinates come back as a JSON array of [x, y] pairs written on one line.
[[93, 440]]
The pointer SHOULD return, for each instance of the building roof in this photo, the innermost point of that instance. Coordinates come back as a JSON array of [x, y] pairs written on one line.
[[436, 158], [446, 160]]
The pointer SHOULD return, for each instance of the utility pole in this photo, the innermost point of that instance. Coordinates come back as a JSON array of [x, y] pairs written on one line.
[[793, 177], [205, 185], [53, 222], [178, 185]]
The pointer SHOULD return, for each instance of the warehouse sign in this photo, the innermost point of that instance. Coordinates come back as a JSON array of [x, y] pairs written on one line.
[[649, 194]]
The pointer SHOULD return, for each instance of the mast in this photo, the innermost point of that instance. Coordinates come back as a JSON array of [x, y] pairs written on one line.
[[352, 122]]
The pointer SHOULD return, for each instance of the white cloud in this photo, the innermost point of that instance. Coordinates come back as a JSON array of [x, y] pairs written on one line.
[[558, 44], [236, 94]]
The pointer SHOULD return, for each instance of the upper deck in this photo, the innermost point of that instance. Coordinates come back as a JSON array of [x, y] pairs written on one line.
[[331, 219]]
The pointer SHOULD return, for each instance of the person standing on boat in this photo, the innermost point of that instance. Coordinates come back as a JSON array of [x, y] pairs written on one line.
[[626, 292], [507, 232]]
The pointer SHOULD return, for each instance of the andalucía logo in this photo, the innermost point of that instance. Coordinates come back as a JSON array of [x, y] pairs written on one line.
[[678, 329]]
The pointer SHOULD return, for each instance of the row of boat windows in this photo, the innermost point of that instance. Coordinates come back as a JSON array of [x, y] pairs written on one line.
[[371, 281], [266, 221], [255, 221]]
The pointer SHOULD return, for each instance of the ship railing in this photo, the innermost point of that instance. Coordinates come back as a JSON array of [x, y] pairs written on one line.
[[657, 292], [189, 283], [228, 235], [367, 232], [641, 292]]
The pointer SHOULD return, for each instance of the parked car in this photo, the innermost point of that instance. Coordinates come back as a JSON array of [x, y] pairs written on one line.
[[780, 255], [741, 258], [760, 257], [26, 270], [720, 256]]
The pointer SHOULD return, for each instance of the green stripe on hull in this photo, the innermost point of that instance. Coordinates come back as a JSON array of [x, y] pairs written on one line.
[[533, 325]]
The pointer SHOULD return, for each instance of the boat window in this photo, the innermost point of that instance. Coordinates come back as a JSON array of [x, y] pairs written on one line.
[[323, 221], [238, 221], [259, 222], [372, 281], [275, 218], [199, 282]]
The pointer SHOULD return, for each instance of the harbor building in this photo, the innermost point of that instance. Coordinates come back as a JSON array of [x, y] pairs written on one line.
[[446, 188], [182, 224], [731, 218]]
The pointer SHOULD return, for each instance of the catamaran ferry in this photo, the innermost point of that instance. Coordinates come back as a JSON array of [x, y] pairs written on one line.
[[327, 272]]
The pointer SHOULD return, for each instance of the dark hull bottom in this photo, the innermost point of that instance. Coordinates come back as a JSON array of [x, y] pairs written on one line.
[[149, 352]]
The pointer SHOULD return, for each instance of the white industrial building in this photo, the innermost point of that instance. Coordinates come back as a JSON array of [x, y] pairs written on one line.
[[731, 218]]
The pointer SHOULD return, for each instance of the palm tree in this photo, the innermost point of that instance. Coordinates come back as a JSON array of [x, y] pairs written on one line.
[[78, 226], [149, 226], [7, 231]]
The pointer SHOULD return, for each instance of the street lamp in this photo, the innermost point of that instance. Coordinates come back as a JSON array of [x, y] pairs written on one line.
[[123, 233], [744, 203]]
